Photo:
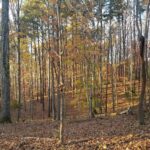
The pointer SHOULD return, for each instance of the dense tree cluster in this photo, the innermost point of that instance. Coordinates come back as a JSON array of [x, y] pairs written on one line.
[[85, 50]]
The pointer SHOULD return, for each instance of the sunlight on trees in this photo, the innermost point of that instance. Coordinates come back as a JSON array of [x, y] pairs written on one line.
[[68, 60]]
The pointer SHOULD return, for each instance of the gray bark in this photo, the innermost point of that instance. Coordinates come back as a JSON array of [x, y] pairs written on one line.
[[5, 116]]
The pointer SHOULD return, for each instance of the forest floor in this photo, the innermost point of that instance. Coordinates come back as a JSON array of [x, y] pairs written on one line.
[[114, 131], [119, 132]]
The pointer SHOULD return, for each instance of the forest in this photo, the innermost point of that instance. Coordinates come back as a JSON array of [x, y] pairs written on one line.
[[75, 75]]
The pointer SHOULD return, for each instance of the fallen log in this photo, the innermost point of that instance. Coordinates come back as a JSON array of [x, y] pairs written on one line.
[[129, 111]]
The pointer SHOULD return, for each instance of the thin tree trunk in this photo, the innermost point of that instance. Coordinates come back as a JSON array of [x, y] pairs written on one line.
[[19, 61]]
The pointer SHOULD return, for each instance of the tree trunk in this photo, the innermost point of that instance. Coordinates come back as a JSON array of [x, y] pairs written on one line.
[[142, 96], [19, 61], [5, 116]]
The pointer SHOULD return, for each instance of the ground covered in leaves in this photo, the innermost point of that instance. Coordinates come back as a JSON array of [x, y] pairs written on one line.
[[120, 132]]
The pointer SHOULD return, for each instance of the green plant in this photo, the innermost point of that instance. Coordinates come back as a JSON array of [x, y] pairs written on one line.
[[15, 104], [127, 94]]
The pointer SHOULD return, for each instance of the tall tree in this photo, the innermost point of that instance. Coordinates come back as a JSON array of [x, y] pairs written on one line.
[[19, 58], [142, 54], [5, 116]]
